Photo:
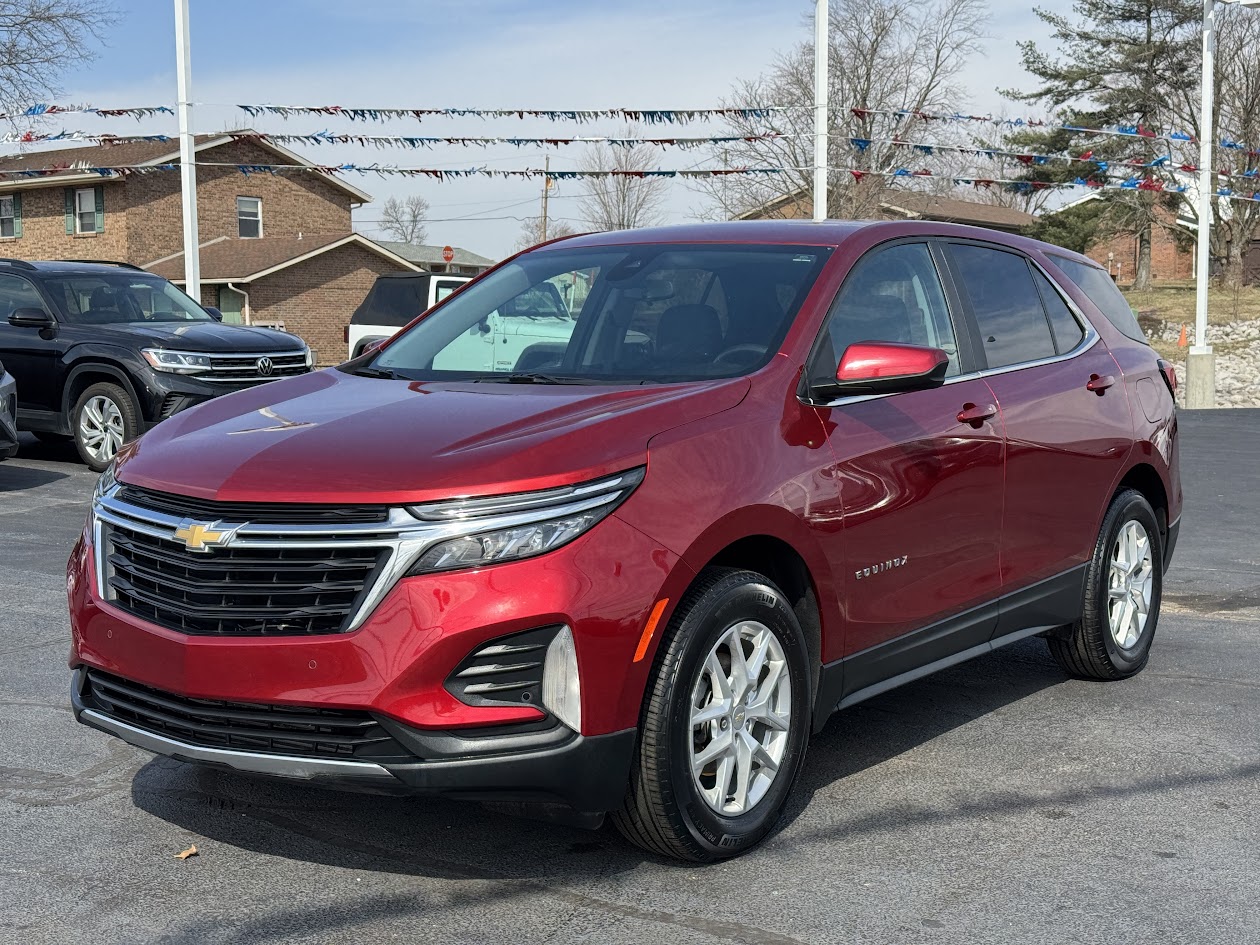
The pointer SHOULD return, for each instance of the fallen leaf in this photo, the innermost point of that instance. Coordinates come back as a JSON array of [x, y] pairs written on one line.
[[191, 851]]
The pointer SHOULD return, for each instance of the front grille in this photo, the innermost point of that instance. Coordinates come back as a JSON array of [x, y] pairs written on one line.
[[236, 591], [272, 729], [258, 513], [244, 368]]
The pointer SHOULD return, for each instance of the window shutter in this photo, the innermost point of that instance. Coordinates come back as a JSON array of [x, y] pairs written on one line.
[[100, 208], [70, 211], [17, 215]]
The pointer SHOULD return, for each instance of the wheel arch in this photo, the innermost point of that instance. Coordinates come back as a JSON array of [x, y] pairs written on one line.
[[1146, 479], [84, 374]]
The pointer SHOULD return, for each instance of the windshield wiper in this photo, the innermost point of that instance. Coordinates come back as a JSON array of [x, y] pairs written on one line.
[[529, 377], [382, 373]]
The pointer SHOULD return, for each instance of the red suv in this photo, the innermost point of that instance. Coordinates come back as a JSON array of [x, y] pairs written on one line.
[[760, 472]]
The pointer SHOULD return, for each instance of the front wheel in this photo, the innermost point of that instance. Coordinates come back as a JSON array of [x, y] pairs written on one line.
[[104, 419], [725, 724], [1123, 588]]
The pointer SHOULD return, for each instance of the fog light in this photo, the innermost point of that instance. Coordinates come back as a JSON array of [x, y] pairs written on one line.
[[561, 688]]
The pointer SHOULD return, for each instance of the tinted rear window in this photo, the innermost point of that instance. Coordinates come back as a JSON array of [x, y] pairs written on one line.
[[1012, 322], [393, 302], [1103, 293]]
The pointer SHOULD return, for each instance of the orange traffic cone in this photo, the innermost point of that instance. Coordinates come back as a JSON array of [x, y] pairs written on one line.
[[1181, 342]]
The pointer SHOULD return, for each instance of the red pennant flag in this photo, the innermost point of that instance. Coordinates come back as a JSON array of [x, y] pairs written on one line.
[[1087, 155], [1024, 158], [858, 175]]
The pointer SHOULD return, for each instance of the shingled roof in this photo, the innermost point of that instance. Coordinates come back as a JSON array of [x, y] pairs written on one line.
[[231, 259]]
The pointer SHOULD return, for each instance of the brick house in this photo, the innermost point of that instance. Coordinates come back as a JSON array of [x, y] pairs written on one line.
[[463, 263], [277, 249], [1172, 258]]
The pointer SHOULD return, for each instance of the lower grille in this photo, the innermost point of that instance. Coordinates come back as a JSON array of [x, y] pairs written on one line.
[[270, 729], [236, 591], [506, 671]]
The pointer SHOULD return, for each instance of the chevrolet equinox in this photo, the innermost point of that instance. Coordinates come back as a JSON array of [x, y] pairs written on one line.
[[767, 471]]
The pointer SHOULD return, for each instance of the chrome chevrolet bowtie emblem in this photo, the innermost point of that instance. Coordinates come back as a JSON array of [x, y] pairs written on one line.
[[198, 536], [264, 366]]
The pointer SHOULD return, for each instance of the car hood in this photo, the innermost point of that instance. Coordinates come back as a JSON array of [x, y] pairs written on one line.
[[336, 437], [210, 337]]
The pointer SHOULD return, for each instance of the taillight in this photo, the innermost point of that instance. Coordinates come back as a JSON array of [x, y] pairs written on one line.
[[1169, 373]]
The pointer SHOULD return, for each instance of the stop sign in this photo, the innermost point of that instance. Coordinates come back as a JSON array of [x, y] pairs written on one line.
[[447, 253]]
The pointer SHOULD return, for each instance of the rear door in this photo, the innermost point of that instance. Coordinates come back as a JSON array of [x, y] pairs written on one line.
[[921, 488], [1067, 424]]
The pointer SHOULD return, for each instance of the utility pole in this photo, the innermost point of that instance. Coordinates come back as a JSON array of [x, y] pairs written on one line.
[[822, 44], [187, 153], [546, 188]]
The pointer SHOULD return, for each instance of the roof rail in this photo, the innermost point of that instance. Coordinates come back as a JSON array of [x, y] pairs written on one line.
[[108, 262], [20, 263]]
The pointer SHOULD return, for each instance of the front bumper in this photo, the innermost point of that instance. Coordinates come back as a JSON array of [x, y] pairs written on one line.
[[162, 395], [549, 766]]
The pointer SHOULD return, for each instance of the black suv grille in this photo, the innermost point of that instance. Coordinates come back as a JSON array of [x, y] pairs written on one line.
[[246, 369], [258, 513], [273, 729], [236, 591]]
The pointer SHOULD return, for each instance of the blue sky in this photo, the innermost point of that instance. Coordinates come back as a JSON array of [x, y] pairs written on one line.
[[470, 53]]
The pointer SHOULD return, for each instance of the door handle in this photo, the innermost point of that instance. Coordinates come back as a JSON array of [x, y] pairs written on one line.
[[976, 414], [1099, 383]]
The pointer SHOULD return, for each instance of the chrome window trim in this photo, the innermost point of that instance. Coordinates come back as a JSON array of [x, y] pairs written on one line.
[[403, 537]]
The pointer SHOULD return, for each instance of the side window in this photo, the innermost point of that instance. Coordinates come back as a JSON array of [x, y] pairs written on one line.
[[1012, 322], [1103, 293], [16, 293], [1067, 330], [891, 295]]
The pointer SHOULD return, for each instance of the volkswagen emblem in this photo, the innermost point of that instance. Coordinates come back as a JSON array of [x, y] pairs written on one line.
[[264, 366]]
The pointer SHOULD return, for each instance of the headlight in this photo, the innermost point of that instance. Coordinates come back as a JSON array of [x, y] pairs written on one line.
[[528, 523], [310, 358], [176, 362]]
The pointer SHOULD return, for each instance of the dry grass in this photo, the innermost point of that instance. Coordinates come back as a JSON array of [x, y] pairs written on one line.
[[1175, 303]]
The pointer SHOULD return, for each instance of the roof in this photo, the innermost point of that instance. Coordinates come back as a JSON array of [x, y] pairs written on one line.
[[67, 265], [232, 259], [432, 255], [77, 160], [952, 210]]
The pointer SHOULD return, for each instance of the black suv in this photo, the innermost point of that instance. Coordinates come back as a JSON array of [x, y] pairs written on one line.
[[102, 351]]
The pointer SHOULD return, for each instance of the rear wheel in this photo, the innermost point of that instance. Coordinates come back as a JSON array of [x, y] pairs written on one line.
[[725, 724], [104, 419], [1124, 585]]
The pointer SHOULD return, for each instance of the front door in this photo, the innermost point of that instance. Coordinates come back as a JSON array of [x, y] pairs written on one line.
[[921, 488], [32, 356]]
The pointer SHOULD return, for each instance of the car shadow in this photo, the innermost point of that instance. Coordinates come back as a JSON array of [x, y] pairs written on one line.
[[15, 478], [58, 451], [438, 837]]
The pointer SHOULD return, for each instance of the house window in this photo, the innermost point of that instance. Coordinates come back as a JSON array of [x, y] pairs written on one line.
[[249, 217], [8, 217], [85, 210]]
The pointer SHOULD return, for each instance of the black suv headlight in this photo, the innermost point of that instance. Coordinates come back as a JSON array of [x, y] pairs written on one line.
[[176, 362]]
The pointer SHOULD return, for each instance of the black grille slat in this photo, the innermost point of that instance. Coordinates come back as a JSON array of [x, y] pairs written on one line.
[[258, 513], [236, 591], [290, 730]]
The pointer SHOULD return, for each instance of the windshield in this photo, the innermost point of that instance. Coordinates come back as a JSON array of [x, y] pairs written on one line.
[[122, 297], [618, 315]]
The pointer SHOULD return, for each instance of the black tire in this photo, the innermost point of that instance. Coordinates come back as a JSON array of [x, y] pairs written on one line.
[[47, 436], [127, 412], [664, 811], [1088, 649]]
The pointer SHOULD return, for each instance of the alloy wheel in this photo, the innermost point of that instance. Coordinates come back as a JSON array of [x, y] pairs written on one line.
[[1130, 584], [101, 428], [741, 716]]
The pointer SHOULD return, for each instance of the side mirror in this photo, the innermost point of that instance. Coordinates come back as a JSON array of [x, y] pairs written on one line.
[[373, 345], [882, 367], [214, 313], [31, 318]]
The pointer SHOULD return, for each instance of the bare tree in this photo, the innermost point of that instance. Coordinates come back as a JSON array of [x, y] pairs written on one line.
[[884, 55], [404, 219], [532, 231], [623, 201], [41, 38]]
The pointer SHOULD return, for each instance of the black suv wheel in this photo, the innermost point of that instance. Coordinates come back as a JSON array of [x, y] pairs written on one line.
[[104, 418]]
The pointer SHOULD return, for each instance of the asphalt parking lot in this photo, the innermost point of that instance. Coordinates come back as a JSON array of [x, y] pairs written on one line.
[[997, 801]]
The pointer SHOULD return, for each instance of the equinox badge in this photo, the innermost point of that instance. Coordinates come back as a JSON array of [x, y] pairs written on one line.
[[880, 567]]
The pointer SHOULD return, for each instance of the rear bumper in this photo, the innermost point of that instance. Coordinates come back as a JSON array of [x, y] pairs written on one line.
[[551, 766]]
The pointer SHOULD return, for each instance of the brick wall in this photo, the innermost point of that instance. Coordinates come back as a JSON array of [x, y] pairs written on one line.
[[44, 227], [1169, 263], [316, 298], [291, 203]]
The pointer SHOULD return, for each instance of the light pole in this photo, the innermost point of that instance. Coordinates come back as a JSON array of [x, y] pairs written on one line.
[[187, 153], [1200, 362], [822, 45]]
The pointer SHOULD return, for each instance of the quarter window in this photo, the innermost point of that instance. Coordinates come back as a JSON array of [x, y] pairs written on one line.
[[1063, 324], [891, 295], [249, 217], [1009, 314]]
